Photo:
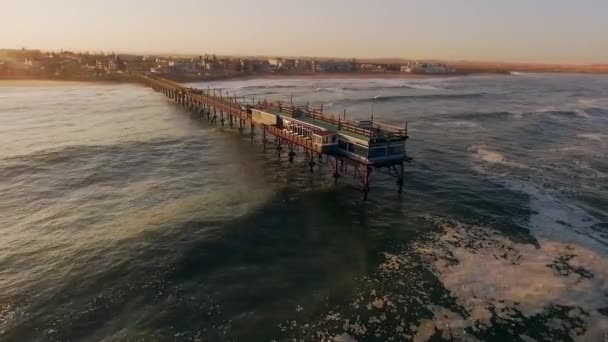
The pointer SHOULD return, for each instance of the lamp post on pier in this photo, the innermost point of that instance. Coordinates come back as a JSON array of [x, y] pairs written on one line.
[[371, 124]]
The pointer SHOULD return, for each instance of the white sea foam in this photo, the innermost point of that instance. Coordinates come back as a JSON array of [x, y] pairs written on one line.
[[582, 113], [325, 89], [498, 273], [484, 153], [457, 124], [421, 86], [556, 219], [591, 136], [487, 155], [594, 102]]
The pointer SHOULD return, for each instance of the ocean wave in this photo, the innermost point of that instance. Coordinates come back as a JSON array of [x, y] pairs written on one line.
[[277, 86], [594, 102], [457, 124], [589, 107], [74, 154], [585, 108], [486, 271], [324, 89], [394, 98], [484, 153], [480, 279], [557, 113], [419, 86], [557, 219], [486, 115], [591, 136]]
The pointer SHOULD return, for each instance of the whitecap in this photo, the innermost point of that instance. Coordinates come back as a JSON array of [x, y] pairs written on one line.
[[591, 136], [457, 124], [556, 219], [582, 113], [482, 152], [421, 86], [321, 89]]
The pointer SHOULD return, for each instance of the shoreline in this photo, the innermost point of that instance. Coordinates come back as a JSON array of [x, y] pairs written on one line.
[[320, 76], [117, 78], [185, 79], [127, 78]]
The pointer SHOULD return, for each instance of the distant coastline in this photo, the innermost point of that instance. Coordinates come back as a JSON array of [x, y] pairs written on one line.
[[132, 77], [128, 78], [99, 67], [316, 75], [116, 78]]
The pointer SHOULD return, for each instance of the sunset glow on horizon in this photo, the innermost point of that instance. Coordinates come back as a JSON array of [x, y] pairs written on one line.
[[522, 31]]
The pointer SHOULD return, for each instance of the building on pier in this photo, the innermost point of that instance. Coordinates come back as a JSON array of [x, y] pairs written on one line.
[[366, 141], [353, 148]]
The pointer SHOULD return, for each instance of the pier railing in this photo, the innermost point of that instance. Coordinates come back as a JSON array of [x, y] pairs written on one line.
[[297, 139], [229, 111], [367, 129]]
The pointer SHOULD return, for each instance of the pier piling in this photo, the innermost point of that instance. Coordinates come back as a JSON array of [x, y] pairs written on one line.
[[384, 148]]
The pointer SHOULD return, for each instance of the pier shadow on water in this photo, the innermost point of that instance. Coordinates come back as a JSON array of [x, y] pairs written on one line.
[[217, 279]]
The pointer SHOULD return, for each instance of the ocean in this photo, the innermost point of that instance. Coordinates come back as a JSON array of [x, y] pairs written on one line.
[[125, 219]]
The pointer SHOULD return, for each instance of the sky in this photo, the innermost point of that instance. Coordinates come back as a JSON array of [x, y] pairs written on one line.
[[553, 31]]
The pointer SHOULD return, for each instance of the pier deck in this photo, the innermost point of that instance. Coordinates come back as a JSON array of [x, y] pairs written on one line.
[[353, 148]]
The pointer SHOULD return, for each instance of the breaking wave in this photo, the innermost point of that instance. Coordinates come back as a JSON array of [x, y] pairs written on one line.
[[277, 86], [497, 279], [486, 115], [407, 85], [457, 124], [420, 86], [393, 98], [484, 153], [482, 280], [591, 136], [327, 90]]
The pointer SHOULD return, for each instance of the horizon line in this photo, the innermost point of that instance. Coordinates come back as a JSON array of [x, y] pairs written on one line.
[[245, 55]]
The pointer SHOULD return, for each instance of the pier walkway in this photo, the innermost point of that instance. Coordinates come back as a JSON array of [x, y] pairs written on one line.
[[352, 148]]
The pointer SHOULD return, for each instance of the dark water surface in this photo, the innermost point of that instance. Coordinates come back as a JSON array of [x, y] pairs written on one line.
[[124, 219]]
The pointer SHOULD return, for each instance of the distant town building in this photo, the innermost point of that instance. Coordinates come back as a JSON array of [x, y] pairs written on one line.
[[275, 63], [372, 67], [334, 66], [303, 65], [117, 64], [288, 64], [426, 68]]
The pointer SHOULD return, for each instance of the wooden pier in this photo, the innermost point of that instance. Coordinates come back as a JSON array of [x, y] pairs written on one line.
[[352, 148]]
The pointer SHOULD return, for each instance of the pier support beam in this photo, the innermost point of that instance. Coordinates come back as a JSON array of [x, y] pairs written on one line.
[[311, 161], [366, 181], [400, 178], [336, 174], [279, 148], [291, 152]]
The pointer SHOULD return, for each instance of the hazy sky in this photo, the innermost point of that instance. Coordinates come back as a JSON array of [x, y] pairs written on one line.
[[509, 30]]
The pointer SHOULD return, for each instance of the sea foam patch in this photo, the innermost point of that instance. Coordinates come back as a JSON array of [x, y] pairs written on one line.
[[472, 283], [487, 155], [496, 279]]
